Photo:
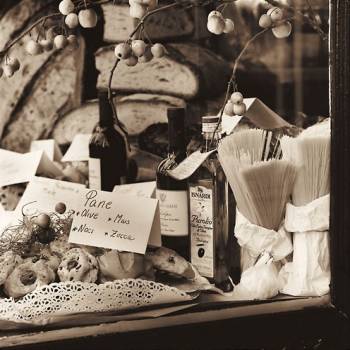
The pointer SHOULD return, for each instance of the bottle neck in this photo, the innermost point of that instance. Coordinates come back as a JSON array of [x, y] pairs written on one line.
[[106, 118], [176, 133], [210, 141]]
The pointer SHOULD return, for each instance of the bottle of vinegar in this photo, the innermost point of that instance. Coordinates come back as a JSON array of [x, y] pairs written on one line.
[[108, 145], [208, 201], [171, 193]]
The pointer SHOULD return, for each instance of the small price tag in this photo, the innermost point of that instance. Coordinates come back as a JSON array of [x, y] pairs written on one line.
[[115, 221], [189, 165]]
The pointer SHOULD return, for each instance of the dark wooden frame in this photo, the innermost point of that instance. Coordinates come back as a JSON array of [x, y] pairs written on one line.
[[318, 327]]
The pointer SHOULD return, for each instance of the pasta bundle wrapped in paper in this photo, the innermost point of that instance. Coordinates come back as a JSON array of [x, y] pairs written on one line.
[[262, 184], [308, 215]]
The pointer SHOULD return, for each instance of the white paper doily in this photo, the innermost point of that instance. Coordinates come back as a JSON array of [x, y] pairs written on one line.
[[67, 298]]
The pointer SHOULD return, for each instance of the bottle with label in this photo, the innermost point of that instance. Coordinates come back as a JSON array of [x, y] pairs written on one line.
[[209, 212], [171, 193], [108, 147]]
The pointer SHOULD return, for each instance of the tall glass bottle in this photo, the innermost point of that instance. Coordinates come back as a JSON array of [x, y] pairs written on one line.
[[108, 144], [209, 214], [171, 193]]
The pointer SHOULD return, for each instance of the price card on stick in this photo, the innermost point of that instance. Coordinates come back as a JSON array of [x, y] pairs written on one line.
[[115, 221]]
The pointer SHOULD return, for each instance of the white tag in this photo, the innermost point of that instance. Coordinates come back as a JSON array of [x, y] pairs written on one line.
[[79, 149], [229, 123], [189, 165]]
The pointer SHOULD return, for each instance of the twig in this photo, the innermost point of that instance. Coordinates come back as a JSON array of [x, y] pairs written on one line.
[[139, 26], [232, 81], [41, 21], [311, 21]]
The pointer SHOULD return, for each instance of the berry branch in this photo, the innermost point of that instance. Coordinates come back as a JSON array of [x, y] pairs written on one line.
[[134, 50], [123, 51]]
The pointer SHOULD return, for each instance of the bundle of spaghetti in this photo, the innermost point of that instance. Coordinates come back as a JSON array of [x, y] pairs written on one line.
[[262, 184], [308, 217]]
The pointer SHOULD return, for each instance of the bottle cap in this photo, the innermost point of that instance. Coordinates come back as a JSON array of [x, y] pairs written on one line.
[[209, 124]]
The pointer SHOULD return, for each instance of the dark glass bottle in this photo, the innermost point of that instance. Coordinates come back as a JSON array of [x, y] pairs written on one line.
[[210, 212], [171, 193], [108, 144]]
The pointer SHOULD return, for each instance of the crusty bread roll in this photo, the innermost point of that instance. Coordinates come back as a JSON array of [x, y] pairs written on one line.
[[118, 265]]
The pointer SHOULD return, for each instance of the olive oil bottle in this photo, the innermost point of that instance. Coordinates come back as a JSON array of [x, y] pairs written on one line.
[[209, 212]]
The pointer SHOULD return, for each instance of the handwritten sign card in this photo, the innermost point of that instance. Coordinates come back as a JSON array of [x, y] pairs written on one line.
[[110, 220], [140, 189], [44, 194]]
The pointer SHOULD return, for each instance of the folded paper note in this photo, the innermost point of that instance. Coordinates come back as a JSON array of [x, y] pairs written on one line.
[[262, 116], [18, 168], [79, 149], [50, 147], [115, 221]]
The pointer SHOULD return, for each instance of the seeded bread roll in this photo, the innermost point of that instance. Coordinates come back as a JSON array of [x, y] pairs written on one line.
[[188, 71]]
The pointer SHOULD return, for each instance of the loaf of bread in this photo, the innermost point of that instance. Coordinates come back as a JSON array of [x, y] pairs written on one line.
[[165, 25], [188, 71], [136, 111], [53, 92], [13, 89]]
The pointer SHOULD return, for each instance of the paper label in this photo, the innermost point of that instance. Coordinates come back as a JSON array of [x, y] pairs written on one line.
[[189, 165], [202, 229], [140, 189], [94, 173], [173, 206], [114, 221]]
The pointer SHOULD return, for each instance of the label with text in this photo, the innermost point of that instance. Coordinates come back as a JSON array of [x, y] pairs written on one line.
[[173, 206], [202, 229]]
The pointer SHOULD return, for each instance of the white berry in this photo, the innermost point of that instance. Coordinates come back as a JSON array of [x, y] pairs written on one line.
[[66, 7], [72, 20], [229, 26], [236, 98], [33, 48], [122, 51], [60, 41], [158, 50], [138, 47], [239, 109]]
